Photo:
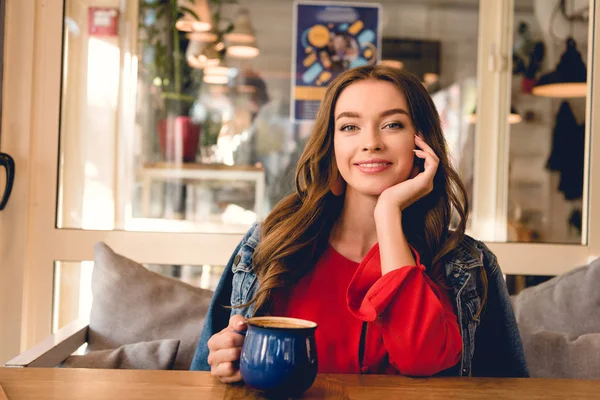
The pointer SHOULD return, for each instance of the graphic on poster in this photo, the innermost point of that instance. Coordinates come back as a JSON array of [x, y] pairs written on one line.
[[330, 37]]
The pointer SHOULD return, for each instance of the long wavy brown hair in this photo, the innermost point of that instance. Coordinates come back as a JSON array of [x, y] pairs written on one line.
[[297, 231]]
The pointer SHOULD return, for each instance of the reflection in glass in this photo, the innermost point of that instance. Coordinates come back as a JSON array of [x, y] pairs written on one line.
[[549, 86], [167, 130]]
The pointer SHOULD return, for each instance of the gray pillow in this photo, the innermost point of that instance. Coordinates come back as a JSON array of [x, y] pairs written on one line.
[[556, 355], [158, 354], [559, 321], [568, 303], [131, 305]]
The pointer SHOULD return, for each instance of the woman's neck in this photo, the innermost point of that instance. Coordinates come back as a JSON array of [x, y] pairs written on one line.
[[355, 232]]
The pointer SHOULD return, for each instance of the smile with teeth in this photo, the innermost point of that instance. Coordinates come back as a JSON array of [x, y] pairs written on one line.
[[374, 166]]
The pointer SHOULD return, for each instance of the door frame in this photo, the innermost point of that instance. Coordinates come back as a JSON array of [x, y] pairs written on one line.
[[17, 86]]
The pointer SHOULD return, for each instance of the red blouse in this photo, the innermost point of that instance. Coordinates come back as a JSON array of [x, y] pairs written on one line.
[[411, 327]]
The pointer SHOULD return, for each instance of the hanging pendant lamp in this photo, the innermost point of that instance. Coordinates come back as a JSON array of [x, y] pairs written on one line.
[[200, 55], [241, 42], [568, 80], [196, 16], [219, 74]]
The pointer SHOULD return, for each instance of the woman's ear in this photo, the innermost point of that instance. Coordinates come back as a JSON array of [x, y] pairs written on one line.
[[339, 185]]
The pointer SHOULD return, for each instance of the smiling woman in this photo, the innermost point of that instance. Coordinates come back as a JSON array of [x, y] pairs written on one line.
[[363, 247], [361, 135], [68, 162]]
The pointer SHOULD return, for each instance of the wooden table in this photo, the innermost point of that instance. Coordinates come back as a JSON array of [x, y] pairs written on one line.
[[197, 172], [89, 384]]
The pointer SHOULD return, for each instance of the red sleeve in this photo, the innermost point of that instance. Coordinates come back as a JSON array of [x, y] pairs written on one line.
[[420, 328]]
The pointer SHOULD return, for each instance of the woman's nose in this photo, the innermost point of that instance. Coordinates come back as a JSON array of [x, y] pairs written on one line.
[[372, 140]]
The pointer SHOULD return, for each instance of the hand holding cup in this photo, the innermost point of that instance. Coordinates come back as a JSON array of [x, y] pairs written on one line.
[[225, 349]]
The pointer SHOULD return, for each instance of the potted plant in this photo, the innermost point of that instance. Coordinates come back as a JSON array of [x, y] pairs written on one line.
[[171, 78], [173, 83]]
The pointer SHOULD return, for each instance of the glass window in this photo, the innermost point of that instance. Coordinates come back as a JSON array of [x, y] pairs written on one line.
[[156, 137], [547, 121]]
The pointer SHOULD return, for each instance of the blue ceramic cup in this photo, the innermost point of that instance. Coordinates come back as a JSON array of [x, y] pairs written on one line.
[[279, 355]]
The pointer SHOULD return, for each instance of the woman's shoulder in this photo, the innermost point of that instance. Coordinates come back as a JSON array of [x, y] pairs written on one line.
[[471, 252], [252, 237], [242, 258]]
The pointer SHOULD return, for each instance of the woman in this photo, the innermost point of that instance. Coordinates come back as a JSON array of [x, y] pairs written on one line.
[[363, 248]]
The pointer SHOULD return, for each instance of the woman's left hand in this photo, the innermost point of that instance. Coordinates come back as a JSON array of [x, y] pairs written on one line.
[[417, 186]]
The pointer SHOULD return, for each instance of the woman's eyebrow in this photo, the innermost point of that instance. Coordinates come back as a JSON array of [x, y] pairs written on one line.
[[387, 113], [348, 114], [393, 111]]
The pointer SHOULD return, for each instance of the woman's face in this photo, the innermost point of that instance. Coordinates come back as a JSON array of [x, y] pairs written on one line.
[[374, 136]]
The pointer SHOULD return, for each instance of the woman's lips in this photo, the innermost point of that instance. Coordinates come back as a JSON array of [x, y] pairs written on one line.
[[373, 166]]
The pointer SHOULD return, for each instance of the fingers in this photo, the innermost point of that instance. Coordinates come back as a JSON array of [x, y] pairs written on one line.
[[430, 165], [429, 160], [426, 152], [421, 153], [237, 323], [426, 148], [225, 349], [237, 377], [224, 356], [227, 373], [225, 340]]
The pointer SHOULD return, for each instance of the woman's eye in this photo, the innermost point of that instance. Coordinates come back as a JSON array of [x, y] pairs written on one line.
[[394, 125], [348, 128]]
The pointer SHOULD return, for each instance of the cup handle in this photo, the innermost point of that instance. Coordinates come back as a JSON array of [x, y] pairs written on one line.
[[9, 164], [243, 333]]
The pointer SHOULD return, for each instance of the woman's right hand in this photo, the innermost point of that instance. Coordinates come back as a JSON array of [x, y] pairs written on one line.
[[225, 349]]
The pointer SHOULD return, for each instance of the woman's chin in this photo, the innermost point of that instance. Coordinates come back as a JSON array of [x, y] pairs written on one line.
[[373, 190]]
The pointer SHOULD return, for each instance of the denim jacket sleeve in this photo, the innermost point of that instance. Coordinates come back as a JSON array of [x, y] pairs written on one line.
[[498, 346], [217, 317]]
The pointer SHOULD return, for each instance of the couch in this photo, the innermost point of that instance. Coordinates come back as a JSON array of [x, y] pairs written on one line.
[[139, 319], [142, 320], [559, 321]]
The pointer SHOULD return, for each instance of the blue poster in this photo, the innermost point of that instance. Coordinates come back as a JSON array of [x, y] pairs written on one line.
[[329, 38]]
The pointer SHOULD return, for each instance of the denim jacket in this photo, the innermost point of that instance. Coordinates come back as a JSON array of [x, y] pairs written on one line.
[[491, 343]]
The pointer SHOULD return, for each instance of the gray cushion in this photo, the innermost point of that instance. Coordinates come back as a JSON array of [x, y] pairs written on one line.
[[559, 321], [131, 305], [556, 355], [568, 303], [158, 354]]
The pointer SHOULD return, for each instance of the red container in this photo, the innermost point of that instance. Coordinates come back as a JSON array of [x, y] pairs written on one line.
[[179, 138], [527, 85]]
